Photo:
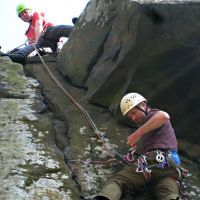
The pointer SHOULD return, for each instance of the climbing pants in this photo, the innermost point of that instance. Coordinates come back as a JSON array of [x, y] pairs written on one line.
[[49, 39], [129, 181]]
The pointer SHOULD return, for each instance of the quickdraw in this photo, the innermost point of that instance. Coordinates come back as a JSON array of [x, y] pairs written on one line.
[[140, 161], [164, 159], [130, 156]]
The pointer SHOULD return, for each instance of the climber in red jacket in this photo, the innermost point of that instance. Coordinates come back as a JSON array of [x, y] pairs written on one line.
[[41, 33]]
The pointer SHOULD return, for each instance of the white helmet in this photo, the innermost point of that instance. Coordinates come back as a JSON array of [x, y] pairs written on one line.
[[129, 101]]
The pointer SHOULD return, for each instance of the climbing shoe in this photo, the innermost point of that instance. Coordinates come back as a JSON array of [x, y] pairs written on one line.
[[18, 58], [54, 47], [52, 44]]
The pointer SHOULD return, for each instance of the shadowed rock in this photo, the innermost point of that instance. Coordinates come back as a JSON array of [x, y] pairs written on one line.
[[150, 48]]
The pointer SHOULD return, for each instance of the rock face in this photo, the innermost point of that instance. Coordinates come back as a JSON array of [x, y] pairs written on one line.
[[151, 48], [49, 147], [31, 168]]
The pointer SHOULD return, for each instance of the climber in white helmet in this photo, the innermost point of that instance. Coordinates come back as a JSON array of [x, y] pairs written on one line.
[[156, 159]]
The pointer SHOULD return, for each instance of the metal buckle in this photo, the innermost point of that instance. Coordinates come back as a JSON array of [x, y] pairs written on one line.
[[160, 157]]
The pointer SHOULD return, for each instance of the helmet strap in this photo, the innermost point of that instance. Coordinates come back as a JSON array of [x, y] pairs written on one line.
[[144, 111]]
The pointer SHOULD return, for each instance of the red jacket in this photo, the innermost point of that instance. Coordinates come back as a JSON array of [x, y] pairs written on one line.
[[30, 33]]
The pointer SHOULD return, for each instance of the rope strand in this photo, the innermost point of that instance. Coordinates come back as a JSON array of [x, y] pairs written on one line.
[[85, 113]]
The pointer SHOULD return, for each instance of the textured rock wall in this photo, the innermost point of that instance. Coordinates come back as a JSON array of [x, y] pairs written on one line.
[[31, 167], [85, 155], [116, 46], [151, 48]]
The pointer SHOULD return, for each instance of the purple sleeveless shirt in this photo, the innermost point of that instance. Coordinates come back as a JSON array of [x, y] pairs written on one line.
[[161, 138]]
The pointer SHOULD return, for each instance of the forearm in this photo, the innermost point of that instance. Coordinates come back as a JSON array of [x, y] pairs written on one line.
[[155, 122], [38, 30]]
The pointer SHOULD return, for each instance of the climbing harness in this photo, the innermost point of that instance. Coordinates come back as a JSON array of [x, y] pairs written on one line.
[[112, 152], [162, 160]]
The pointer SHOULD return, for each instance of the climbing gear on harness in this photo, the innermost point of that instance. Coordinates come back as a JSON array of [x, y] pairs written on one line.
[[156, 158], [20, 8], [160, 157], [174, 156], [143, 166], [131, 155], [173, 160], [130, 101]]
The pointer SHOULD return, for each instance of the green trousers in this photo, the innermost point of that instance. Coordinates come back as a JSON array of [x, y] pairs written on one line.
[[129, 181]]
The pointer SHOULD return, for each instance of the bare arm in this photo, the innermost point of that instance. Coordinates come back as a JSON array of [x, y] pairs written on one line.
[[156, 121], [38, 30]]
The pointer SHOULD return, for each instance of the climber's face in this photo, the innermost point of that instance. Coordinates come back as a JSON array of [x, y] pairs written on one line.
[[26, 15], [137, 114]]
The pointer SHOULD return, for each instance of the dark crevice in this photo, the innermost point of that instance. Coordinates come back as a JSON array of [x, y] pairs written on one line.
[[59, 124], [73, 175], [99, 52], [116, 56], [12, 96]]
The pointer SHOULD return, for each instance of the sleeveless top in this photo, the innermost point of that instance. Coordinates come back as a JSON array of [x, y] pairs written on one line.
[[30, 33], [161, 138]]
